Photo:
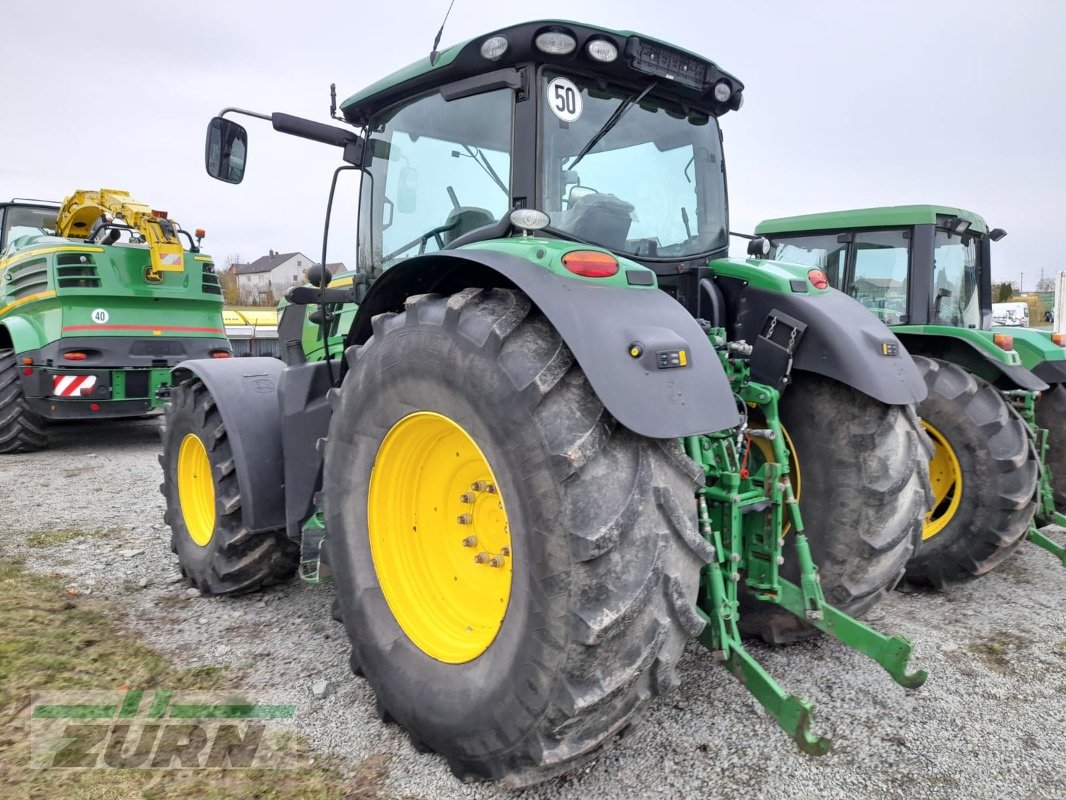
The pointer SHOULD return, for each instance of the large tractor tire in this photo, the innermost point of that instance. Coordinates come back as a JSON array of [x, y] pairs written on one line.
[[22, 430], [984, 476], [1051, 414], [216, 552], [517, 573], [860, 469]]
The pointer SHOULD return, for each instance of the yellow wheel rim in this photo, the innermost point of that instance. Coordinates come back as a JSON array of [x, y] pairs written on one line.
[[945, 475], [439, 537], [196, 490], [766, 450]]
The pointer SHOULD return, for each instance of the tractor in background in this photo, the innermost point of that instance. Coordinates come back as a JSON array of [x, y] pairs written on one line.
[[100, 298], [997, 395], [549, 432]]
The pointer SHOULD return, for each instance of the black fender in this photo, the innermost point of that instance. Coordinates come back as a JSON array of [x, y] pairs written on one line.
[[599, 323], [245, 391], [973, 359], [844, 340], [1051, 372]]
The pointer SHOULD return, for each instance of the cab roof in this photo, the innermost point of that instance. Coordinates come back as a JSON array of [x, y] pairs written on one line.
[[464, 60], [877, 217]]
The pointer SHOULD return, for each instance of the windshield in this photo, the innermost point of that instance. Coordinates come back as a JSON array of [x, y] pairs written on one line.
[[818, 250], [652, 186], [18, 221], [956, 279]]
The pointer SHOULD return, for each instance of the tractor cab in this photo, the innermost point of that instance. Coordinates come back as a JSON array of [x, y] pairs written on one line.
[[613, 137], [910, 265]]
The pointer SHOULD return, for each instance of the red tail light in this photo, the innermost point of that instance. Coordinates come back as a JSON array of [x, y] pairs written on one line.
[[1004, 341], [94, 406], [591, 263], [74, 356], [220, 354], [818, 279], [27, 370]]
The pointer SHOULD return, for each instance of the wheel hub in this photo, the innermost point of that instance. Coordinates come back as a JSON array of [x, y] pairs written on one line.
[[196, 490], [945, 476], [439, 537]]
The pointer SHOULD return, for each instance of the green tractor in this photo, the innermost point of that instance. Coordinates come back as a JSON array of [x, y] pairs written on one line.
[[997, 395], [552, 451], [99, 299]]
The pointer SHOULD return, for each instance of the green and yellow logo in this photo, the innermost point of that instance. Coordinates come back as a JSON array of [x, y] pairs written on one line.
[[157, 730]]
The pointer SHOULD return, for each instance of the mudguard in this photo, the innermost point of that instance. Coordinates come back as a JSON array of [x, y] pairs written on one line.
[[957, 350], [22, 333], [245, 391], [844, 341], [600, 324], [1051, 371]]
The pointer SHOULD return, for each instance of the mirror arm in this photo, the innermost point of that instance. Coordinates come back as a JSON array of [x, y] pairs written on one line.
[[234, 110]]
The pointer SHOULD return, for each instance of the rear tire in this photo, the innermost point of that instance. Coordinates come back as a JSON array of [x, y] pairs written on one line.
[[1051, 414], [22, 430], [229, 559], [864, 482], [973, 531], [605, 555]]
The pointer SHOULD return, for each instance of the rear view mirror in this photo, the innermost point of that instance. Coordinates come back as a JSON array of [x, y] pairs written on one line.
[[407, 191], [226, 150]]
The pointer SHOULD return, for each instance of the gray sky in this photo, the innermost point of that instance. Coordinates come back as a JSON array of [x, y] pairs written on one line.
[[847, 103]]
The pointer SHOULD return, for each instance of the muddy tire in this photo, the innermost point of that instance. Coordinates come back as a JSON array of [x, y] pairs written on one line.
[[1051, 414], [982, 443], [605, 556], [216, 552], [22, 430], [863, 474]]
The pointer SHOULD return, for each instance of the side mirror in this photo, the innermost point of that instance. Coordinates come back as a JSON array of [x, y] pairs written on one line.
[[407, 191], [759, 247], [226, 150], [318, 275], [577, 192], [996, 234]]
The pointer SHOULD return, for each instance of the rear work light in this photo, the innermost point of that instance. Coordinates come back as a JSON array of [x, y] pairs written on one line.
[[220, 354], [591, 263], [74, 356], [818, 279], [1059, 339], [1004, 341]]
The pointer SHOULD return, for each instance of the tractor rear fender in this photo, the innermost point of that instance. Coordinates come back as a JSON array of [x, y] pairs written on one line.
[[843, 340], [20, 335], [972, 358], [245, 391], [601, 325]]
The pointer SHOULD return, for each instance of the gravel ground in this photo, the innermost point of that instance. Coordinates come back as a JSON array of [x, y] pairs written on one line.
[[988, 724]]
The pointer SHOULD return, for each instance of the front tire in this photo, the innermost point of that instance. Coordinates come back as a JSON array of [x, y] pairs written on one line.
[[22, 430], [984, 476], [863, 478], [216, 552], [603, 553]]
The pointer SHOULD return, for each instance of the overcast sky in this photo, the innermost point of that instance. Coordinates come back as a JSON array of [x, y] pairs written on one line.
[[847, 103]]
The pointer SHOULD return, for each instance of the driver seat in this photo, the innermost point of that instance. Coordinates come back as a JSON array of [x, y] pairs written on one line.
[[602, 219], [466, 219]]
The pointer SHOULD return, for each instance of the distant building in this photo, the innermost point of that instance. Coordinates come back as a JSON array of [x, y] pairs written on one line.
[[270, 275]]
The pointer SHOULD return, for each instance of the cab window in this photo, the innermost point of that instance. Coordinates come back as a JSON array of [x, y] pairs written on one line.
[[440, 169], [879, 280]]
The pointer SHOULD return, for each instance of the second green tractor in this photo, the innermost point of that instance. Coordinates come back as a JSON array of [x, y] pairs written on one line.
[[996, 408]]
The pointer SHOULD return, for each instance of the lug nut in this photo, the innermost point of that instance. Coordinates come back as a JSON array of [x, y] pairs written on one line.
[[467, 498], [491, 488], [470, 541], [481, 558], [505, 551], [465, 519], [479, 486], [495, 561]]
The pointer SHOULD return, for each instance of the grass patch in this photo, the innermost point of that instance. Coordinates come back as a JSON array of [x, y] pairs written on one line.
[[53, 538], [51, 641], [996, 651]]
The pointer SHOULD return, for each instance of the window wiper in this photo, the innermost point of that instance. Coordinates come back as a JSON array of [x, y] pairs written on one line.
[[612, 120], [483, 161]]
